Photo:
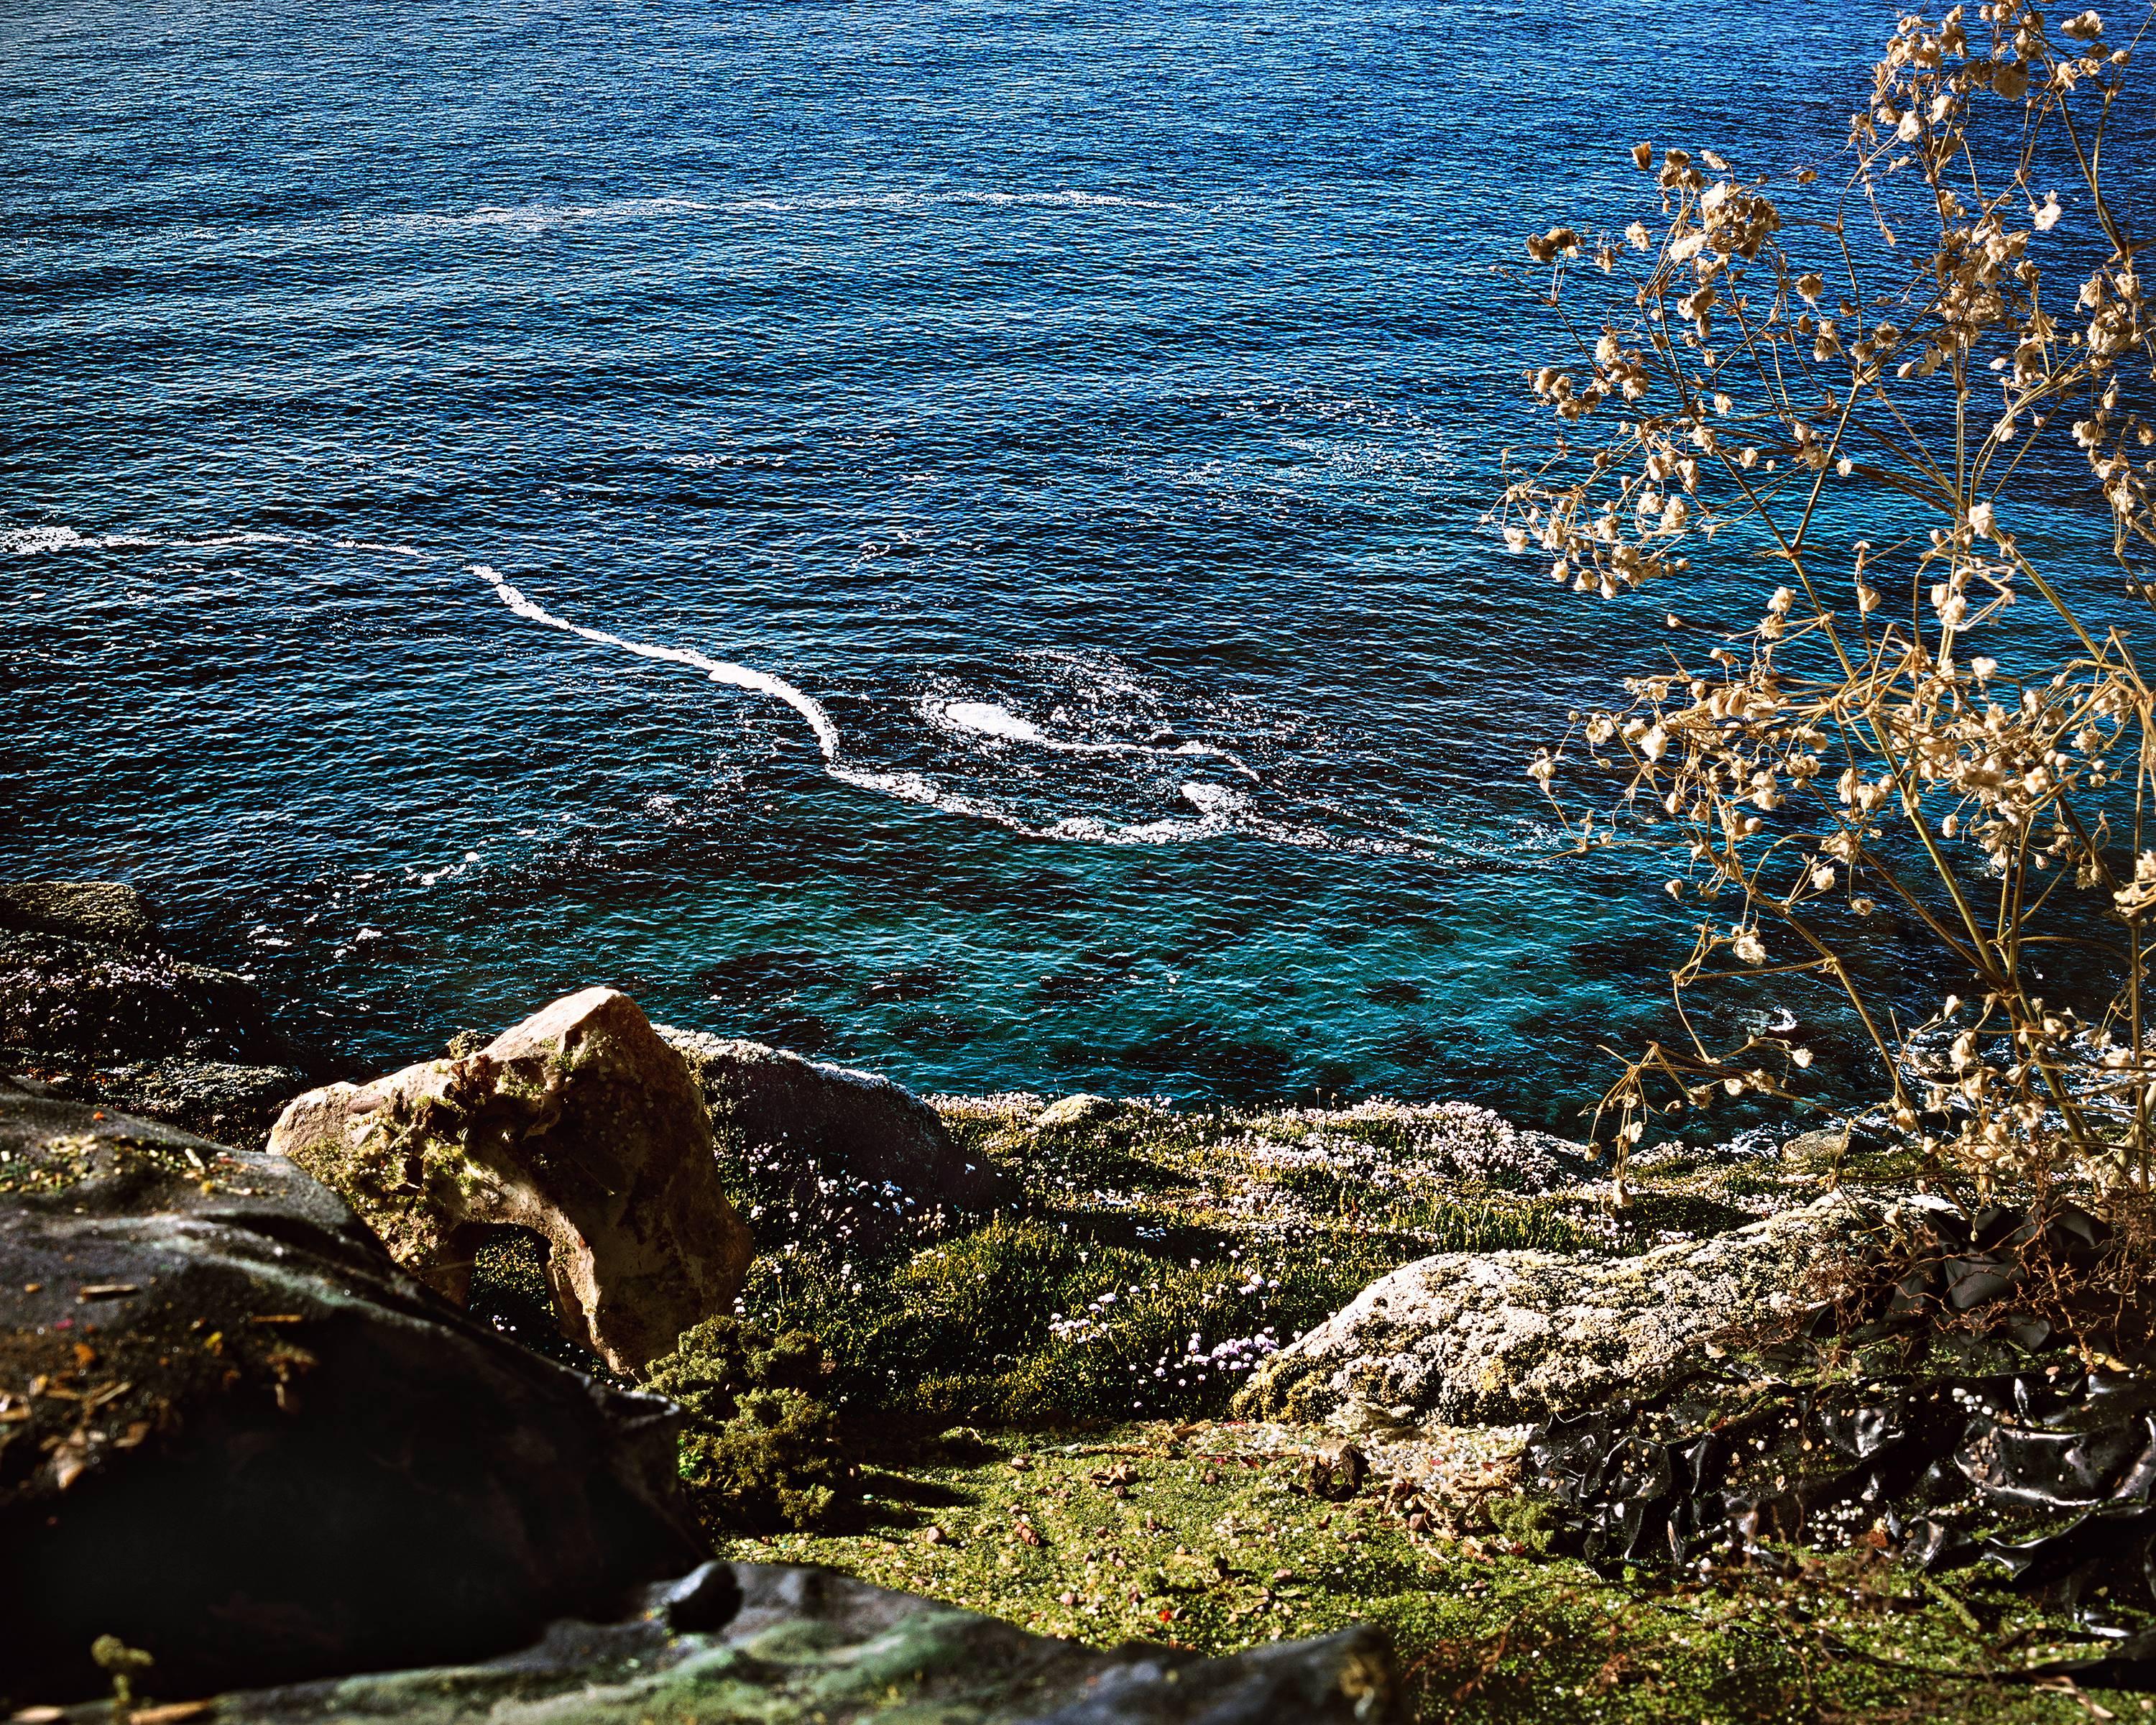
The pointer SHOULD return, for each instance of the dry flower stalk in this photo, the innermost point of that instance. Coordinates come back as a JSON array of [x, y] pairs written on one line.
[[1935, 726]]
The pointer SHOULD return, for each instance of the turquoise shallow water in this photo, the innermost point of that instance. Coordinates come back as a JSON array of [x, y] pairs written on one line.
[[1084, 412]]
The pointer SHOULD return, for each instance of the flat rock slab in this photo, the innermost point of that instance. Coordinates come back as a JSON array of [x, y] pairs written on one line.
[[1470, 1338], [856, 1157], [233, 1434], [813, 1644]]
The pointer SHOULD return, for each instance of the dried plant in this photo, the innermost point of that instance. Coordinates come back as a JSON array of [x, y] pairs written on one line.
[[1893, 395]]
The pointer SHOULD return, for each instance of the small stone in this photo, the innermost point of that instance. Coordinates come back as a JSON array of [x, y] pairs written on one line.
[[1080, 1109], [705, 1600]]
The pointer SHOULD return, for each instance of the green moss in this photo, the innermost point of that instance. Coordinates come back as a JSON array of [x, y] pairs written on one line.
[[1207, 1541], [1160, 1256], [1232, 1226], [1032, 1319], [760, 1449]]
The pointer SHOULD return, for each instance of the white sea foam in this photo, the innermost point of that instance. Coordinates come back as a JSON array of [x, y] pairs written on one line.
[[1220, 809], [400, 551], [44, 539], [1076, 829], [738, 676], [540, 218], [41, 540], [985, 718]]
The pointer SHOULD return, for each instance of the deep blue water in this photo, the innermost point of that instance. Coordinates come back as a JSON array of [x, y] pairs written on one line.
[[1087, 410]]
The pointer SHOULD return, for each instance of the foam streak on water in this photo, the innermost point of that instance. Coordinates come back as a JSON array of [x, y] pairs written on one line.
[[738, 677], [986, 718], [1218, 808]]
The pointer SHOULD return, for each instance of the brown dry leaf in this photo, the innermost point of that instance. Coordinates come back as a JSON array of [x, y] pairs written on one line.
[[69, 1459]]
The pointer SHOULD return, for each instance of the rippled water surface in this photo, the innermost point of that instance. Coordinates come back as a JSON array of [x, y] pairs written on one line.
[[1063, 430]]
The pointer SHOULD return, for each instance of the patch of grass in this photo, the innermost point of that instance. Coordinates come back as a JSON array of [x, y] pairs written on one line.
[[1206, 1541], [1160, 1255], [1027, 1320]]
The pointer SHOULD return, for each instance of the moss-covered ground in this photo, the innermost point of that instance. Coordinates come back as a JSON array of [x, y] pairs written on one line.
[[1087, 1348], [1209, 1538]]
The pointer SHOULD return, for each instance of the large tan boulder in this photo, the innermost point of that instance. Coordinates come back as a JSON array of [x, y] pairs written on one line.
[[581, 1124]]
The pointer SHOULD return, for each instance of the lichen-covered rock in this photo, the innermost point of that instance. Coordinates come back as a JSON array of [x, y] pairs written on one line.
[[234, 1434], [851, 1156], [805, 1645], [1076, 1109], [1468, 1339], [581, 1124]]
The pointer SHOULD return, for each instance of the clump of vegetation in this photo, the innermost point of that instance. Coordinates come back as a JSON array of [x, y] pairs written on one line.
[[761, 1450], [1911, 765], [1160, 1256]]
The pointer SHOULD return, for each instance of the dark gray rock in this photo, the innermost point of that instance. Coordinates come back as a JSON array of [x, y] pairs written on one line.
[[223, 1100], [856, 1157], [233, 1434], [106, 912], [810, 1645], [92, 1006], [62, 996]]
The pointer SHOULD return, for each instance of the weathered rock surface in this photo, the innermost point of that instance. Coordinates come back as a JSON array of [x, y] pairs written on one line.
[[810, 1645], [91, 1005], [233, 1434], [110, 912], [581, 1124], [1076, 1109], [1502, 1337], [856, 1156]]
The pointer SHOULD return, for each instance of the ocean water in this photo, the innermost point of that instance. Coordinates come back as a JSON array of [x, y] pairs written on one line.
[[944, 534]]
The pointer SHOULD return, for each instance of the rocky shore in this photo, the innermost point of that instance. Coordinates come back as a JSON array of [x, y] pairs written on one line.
[[324, 1396]]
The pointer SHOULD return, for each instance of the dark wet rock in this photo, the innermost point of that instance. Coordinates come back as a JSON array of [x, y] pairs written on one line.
[[93, 1006], [105, 912], [91, 1000], [806, 1644], [1505, 1337], [1941, 1468], [582, 1125], [223, 1099], [856, 1156], [234, 1434]]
